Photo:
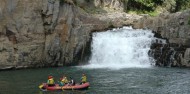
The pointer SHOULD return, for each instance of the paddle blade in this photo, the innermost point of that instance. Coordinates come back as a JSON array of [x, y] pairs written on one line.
[[40, 86]]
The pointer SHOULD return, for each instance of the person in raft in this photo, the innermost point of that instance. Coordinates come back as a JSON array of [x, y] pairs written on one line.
[[83, 79], [72, 81], [64, 81], [50, 81]]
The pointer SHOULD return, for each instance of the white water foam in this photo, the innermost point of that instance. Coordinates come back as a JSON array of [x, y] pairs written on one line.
[[121, 48]]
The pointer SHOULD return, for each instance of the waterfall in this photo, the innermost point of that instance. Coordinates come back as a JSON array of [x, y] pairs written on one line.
[[121, 48]]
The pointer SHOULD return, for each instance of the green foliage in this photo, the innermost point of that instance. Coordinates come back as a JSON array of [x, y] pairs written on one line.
[[61, 1], [87, 1], [182, 4], [147, 3], [151, 7], [189, 21], [152, 13], [144, 5]]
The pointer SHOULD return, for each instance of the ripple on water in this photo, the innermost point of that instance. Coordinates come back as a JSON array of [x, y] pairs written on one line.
[[103, 81]]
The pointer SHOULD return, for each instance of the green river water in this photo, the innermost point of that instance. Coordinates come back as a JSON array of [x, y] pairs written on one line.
[[103, 81]]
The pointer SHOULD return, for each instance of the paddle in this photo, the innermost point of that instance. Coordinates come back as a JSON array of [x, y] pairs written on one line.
[[40, 86]]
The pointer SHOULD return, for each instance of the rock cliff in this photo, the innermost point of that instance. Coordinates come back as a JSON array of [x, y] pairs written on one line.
[[38, 33], [174, 28]]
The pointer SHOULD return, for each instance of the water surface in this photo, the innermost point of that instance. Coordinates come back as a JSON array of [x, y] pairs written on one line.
[[103, 81]]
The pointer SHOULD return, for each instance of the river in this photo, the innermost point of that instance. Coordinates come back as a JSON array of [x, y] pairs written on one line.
[[119, 64], [103, 81]]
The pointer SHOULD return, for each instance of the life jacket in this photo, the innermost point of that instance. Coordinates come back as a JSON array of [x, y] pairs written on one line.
[[84, 79], [51, 81], [64, 80]]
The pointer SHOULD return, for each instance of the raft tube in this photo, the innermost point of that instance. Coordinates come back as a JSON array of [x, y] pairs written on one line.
[[84, 86]]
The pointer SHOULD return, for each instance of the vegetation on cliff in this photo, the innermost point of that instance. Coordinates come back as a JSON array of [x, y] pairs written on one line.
[[154, 6], [151, 7], [145, 5]]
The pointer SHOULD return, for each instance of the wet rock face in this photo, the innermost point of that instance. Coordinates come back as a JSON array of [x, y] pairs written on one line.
[[69, 38], [170, 55], [21, 32], [175, 29], [38, 33]]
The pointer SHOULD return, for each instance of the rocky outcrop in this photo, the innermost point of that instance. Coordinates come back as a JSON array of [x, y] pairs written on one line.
[[22, 34], [67, 43], [110, 4], [38, 33], [100, 6], [174, 28]]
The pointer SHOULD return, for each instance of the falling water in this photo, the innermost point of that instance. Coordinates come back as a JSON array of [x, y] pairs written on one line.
[[121, 48]]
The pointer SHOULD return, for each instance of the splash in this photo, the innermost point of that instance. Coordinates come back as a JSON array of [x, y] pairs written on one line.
[[121, 48]]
